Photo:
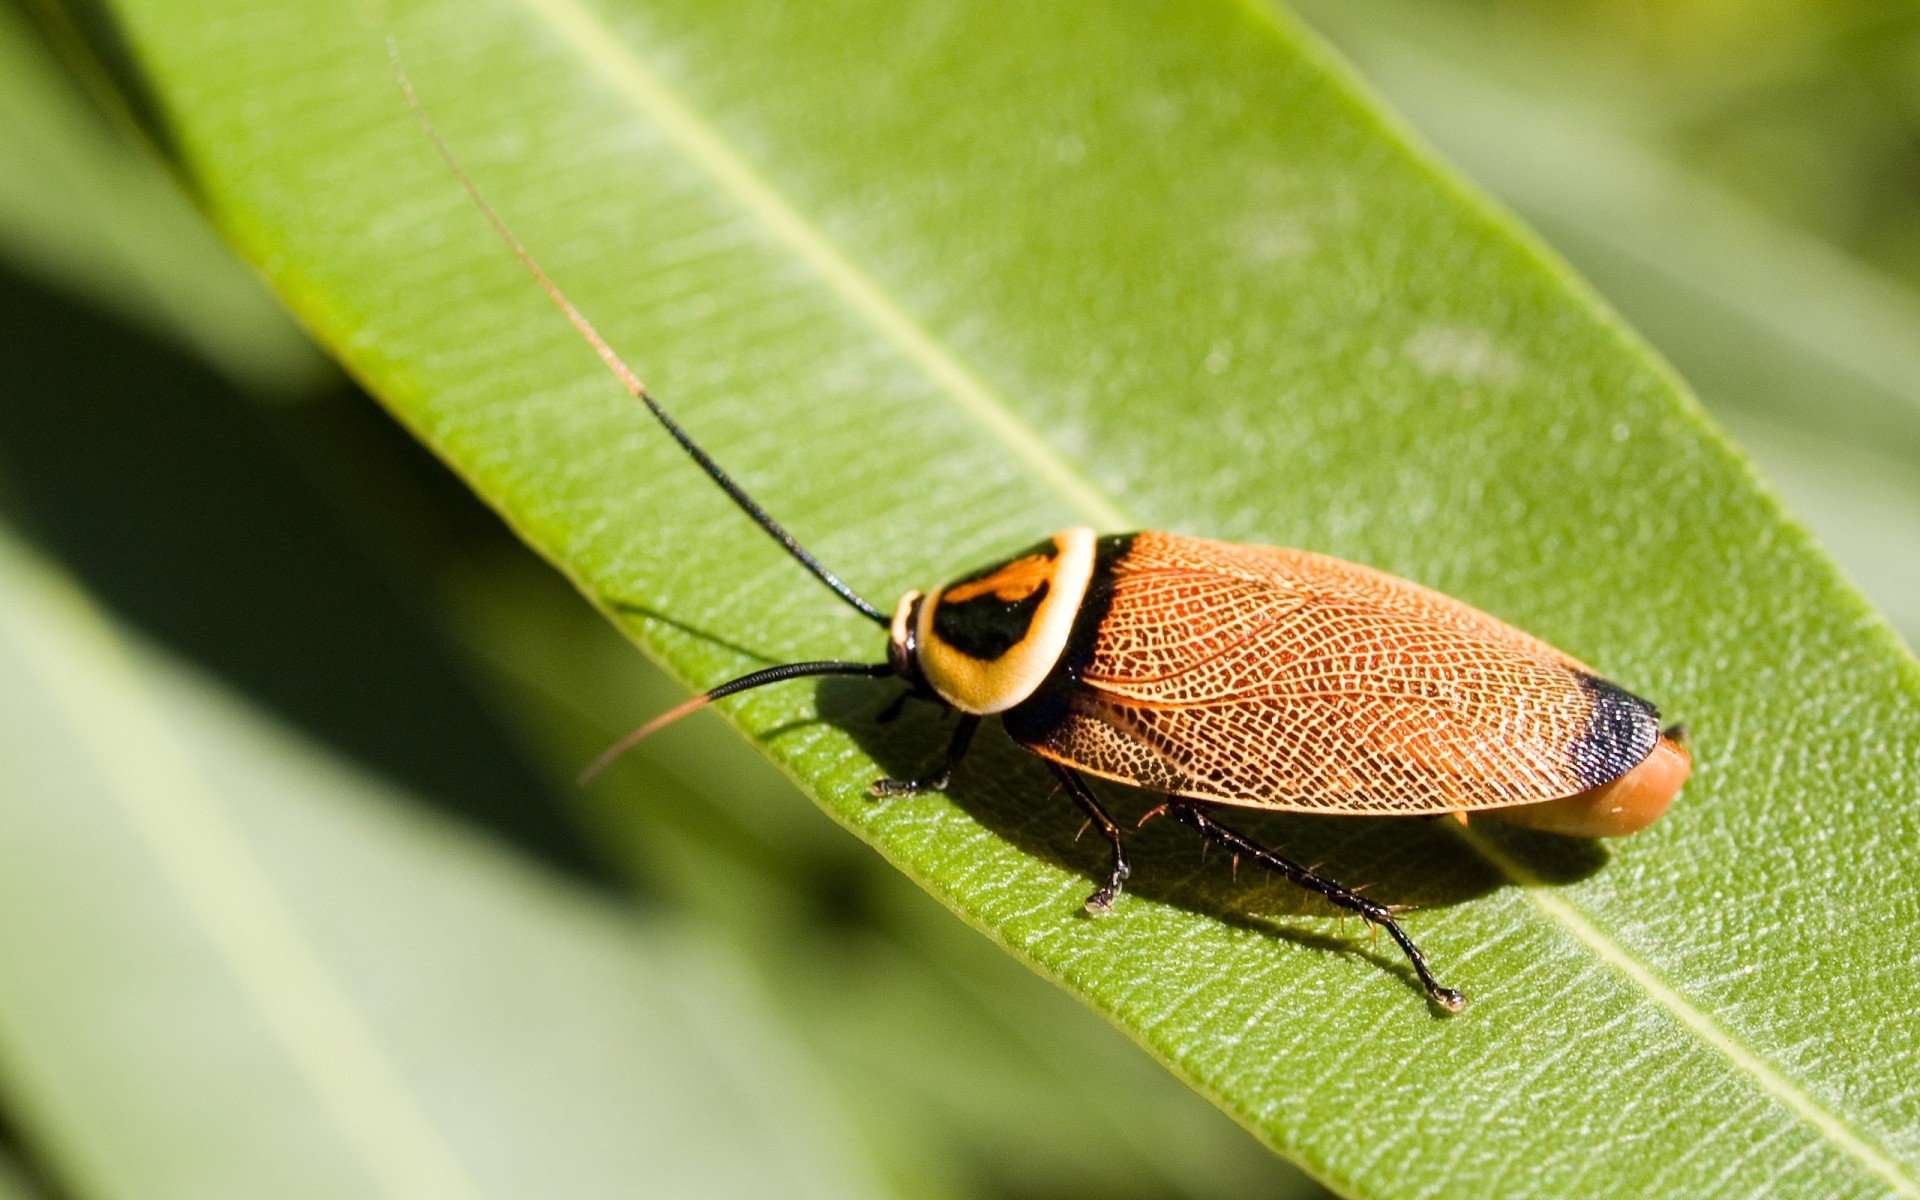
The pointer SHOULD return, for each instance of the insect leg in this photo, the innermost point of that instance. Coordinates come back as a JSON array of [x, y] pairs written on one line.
[[1102, 900], [891, 712], [1192, 813], [937, 782]]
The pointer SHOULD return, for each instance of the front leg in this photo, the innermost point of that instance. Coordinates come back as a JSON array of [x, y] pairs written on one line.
[[1193, 813], [937, 782]]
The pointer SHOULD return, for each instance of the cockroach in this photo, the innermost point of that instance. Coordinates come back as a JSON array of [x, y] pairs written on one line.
[[1227, 676]]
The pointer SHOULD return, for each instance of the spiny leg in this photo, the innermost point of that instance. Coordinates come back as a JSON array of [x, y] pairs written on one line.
[[1102, 900], [1192, 813], [937, 782]]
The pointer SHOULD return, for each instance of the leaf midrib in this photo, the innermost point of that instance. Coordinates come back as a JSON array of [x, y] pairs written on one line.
[[612, 57]]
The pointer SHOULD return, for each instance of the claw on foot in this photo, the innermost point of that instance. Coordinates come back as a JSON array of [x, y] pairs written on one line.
[[886, 789]]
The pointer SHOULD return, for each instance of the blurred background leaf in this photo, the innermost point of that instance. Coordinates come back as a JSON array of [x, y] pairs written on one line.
[[87, 205], [962, 1074]]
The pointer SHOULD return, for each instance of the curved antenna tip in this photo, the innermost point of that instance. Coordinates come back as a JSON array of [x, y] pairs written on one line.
[[732, 687], [612, 753]]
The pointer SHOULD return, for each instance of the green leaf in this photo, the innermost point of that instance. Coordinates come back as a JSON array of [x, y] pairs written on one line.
[[1811, 357], [87, 207], [935, 281], [14, 1184], [235, 967]]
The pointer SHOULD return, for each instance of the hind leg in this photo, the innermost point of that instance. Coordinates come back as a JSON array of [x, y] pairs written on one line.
[[1194, 813]]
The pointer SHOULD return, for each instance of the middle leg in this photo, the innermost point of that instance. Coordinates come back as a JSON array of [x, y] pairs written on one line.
[[1101, 902]]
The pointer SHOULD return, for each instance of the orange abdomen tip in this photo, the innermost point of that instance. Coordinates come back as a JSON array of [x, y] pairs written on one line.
[[1627, 805]]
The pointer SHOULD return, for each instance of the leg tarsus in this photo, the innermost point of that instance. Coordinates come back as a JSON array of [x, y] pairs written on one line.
[[1101, 902], [1378, 915], [884, 789], [887, 789]]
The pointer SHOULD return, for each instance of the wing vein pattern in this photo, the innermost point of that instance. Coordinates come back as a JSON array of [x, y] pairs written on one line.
[[1277, 678]]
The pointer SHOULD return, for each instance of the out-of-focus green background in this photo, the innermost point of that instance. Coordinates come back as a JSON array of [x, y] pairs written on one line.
[[1740, 179]]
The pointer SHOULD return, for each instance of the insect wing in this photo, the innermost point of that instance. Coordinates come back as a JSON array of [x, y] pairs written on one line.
[[1283, 679]]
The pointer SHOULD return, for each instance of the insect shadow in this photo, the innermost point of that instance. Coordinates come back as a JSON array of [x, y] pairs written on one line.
[[1413, 862], [630, 608]]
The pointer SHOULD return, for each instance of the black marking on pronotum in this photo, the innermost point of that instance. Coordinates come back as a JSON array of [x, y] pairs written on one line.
[[1619, 735], [986, 627], [985, 624]]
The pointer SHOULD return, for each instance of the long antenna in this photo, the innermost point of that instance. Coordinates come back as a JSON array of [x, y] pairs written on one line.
[[620, 369]]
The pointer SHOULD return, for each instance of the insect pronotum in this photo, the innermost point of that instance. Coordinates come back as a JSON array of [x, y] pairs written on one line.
[[1226, 676]]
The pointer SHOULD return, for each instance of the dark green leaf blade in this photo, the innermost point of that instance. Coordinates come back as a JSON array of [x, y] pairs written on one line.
[[935, 281]]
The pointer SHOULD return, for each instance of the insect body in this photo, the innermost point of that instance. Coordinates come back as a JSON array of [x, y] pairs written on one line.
[[1226, 675], [1256, 677], [1269, 678]]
